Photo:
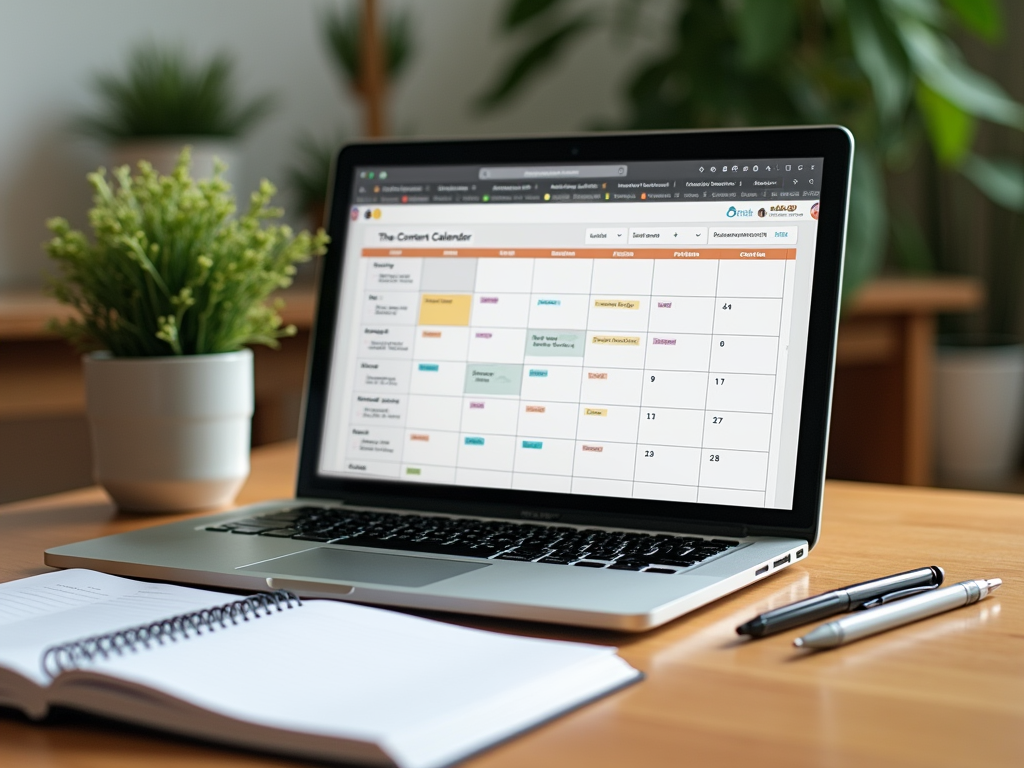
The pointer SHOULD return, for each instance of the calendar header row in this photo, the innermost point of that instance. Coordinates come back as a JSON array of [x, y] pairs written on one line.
[[751, 254]]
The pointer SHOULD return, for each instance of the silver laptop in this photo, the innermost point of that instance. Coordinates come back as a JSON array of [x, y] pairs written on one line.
[[581, 380]]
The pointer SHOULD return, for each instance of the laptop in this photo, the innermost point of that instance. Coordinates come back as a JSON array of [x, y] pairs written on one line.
[[582, 380]]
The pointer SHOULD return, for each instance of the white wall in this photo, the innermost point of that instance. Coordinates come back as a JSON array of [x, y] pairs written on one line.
[[49, 49]]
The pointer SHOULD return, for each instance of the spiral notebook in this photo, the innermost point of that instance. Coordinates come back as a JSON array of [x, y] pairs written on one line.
[[314, 678]]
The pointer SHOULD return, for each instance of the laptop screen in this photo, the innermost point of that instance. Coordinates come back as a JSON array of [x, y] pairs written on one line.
[[634, 330]]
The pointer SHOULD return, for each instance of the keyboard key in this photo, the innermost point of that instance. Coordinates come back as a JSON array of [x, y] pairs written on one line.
[[313, 537], [281, 533], [589, 564], [525, 557]]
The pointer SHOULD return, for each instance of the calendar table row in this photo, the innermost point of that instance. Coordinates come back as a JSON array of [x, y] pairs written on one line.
[[728, 315], [510, 419], [386, 391], [711, 277], [436, 462], [667, 352]]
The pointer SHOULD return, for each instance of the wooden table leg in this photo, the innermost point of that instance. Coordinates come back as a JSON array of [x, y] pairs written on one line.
[[918, 373]]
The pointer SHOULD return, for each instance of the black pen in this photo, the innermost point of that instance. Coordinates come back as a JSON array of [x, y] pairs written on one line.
[[876, 591]]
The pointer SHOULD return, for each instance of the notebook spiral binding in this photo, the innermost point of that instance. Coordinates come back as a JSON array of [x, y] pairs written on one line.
[[68, 656]]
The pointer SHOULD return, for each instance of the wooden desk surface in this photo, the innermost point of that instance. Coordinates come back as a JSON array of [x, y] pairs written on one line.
[[948, 691]]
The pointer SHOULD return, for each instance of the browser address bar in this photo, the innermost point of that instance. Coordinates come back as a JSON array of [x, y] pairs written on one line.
[[554, 172]]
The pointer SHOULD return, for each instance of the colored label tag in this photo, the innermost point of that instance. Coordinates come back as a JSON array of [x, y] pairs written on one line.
[[618, 341]]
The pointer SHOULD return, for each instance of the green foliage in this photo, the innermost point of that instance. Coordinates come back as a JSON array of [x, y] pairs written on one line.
[[310, 176], [535, 58], [343, 32], [171, 269], [887, 69], [163, 94]]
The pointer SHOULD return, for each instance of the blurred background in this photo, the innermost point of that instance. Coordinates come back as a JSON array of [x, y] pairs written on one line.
[[930, 374]]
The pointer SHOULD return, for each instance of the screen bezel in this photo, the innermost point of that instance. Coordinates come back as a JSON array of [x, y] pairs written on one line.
[[833, 143]]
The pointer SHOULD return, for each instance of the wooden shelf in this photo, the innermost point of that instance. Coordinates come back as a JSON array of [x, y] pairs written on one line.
[[25, 314]]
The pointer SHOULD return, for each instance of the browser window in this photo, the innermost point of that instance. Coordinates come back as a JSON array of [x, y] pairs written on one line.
[[634, 330]]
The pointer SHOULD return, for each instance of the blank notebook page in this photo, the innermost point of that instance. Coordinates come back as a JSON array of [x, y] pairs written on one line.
[[67, 605], [412, 685]]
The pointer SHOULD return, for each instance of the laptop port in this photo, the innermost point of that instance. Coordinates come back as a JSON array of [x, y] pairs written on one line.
[[762, 569], [799, 553], [781, 561]]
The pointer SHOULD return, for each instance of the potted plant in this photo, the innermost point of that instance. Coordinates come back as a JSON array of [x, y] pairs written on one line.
[[164, 101], [168, 292]]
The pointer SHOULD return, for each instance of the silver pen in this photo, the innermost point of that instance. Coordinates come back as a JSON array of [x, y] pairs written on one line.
[[897, 614]]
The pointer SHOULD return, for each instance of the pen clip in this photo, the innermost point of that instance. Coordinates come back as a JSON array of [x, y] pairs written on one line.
[[897, 595]]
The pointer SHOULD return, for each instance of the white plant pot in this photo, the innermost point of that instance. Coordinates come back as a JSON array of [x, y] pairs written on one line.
[[170, 433], [979, 417], [163, 154]]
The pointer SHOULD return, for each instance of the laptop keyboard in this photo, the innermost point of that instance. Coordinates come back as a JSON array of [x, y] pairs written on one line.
[[491, 539]]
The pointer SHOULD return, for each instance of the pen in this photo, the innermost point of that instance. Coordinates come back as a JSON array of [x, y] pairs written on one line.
[[840, 600], [896, 615]]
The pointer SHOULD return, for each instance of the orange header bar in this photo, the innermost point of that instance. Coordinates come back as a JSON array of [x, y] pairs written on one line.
[[590, 253]]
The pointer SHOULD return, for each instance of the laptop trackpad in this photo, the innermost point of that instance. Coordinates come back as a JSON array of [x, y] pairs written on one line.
[[348, 565]]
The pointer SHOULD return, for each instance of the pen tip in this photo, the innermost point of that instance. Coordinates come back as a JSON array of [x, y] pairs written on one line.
[[798, 642]]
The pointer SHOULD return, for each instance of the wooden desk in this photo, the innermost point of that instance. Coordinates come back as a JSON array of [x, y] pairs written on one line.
[[948, 691]]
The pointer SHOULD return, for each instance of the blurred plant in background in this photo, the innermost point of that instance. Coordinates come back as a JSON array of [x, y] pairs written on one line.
[[352, 47], [359, 45], [887, 69], [163, 93], [309, 177]]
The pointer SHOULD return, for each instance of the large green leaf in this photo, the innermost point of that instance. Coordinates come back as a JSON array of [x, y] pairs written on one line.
[[521, 11], [534, 58], [928, 11], [940, 66], [982, 17], [878, 53], [950, 129], [1002, 181], [765, 29]]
